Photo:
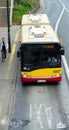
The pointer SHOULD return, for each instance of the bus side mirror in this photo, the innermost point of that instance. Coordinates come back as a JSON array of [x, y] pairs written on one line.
[[19, 52], [62, 51]]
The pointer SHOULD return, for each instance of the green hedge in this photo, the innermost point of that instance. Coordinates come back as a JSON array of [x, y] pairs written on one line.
[[22, 7]]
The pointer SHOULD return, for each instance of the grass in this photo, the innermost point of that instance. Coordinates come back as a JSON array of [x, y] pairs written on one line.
[[18, 13]]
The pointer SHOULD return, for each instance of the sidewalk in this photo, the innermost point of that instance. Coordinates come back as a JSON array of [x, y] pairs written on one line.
[[8, 74], [4, 33]]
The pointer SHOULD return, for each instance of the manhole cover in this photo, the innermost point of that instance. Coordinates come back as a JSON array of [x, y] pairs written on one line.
[[17, 123]]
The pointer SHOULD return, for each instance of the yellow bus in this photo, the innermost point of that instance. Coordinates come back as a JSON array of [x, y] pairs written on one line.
[[40, 50]]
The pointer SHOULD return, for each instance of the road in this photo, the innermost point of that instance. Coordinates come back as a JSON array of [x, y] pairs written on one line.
[[45, 106]]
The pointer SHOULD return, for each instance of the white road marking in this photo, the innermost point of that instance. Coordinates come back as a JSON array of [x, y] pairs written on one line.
[[36, 112], [63, 6], [61, 3], [61, 125], [58, 21], [66, 66], [39, 110], [56, 28], [48, 112], [40, 122]]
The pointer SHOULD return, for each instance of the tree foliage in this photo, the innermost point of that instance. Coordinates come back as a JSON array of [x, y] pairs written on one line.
[[30, 3], [24, 6]]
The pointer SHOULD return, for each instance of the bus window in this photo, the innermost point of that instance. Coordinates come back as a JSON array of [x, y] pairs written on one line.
[[35, 57], [52, 59]]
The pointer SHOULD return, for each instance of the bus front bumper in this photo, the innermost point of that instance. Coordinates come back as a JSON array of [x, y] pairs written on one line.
[[45, 79]]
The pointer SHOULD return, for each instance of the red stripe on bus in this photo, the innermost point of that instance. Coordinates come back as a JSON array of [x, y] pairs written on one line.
[[53, 79]]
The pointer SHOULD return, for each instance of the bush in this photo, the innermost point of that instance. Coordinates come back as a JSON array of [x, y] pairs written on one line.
[[18, 12], [22, 7], [18, 7]]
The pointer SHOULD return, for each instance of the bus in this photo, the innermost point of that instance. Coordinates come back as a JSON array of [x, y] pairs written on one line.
[[40, 51]]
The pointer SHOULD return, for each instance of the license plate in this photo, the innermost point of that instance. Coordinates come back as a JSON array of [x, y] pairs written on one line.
[[41, 81]]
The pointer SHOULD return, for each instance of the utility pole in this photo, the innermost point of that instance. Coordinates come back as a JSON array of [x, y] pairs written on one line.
[[8, 24]]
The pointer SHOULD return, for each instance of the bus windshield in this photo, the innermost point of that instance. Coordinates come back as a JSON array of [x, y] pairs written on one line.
[[40, 58]]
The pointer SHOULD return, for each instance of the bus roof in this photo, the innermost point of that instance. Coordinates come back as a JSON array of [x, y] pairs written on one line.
[[34, 19], [37, 28]]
